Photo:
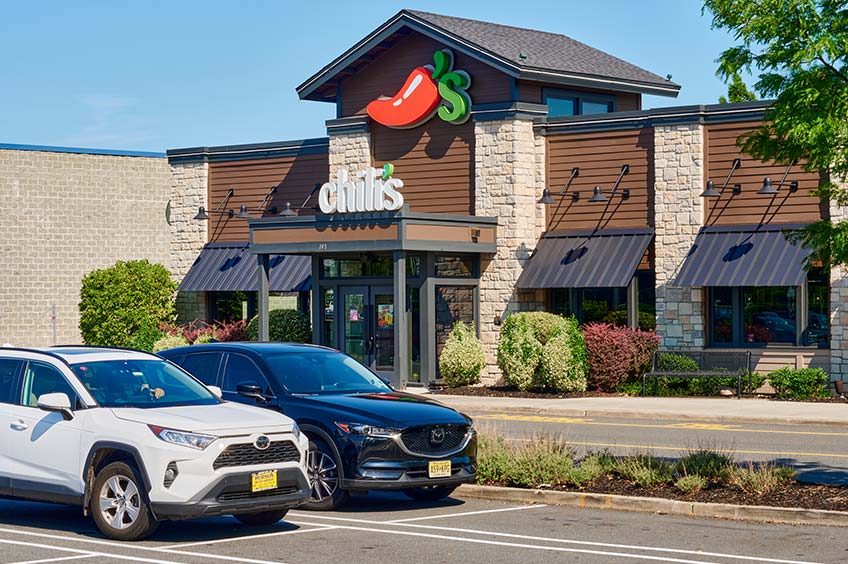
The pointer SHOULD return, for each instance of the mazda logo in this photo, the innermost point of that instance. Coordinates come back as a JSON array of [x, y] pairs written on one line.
[[437, 436], [262, 442]]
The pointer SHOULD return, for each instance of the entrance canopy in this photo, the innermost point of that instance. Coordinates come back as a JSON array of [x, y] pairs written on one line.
[[229, 267], [744, 256], [605, 258]]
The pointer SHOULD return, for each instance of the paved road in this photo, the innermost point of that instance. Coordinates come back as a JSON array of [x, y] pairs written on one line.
[[384, 528], [819, 452]]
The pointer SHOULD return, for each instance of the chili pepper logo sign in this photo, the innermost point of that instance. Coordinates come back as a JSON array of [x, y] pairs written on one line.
[[428, 90]]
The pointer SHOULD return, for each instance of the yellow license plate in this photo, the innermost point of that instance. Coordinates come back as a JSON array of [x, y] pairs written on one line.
[[261, 481], [440, 469]]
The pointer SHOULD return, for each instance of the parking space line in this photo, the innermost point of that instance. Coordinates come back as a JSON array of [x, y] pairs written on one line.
[[571, 541], [524, 545], [87, 553], [250, 537], [59, 559], [67, 538], [449, 515]]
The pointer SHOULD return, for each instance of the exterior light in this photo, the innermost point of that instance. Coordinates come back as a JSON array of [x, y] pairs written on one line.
[[287, 211], [242, 214], [597, 195], [710, 192], [768, 188], [546, 197], [201, 214]]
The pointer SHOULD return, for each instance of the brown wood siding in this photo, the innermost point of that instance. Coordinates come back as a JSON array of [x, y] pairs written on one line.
[[251, 181], [749, 207], [529, 91], [385, 75], [600, 155], [435, 162]]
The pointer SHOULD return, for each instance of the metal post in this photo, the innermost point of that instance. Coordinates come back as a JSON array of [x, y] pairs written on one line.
[[428, 323], [318, 304], [633, 303], [262, 274], [401, 321]]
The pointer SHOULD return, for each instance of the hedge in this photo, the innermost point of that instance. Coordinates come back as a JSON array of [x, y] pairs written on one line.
[[285, 326], [462, 358]]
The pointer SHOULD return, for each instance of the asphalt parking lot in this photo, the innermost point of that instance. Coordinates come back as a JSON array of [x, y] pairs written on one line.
[[385, 528]]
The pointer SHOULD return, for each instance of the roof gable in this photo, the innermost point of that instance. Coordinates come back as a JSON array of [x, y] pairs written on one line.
[[520, 53]]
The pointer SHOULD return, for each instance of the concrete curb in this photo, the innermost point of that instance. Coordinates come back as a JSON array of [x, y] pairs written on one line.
[[792, 516]]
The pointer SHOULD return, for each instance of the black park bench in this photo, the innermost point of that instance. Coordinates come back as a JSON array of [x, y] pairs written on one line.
[[711, 364]]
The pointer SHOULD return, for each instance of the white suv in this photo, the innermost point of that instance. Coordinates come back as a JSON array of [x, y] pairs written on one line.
[[135, 440]]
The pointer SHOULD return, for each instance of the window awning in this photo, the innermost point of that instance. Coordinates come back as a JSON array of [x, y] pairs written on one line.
[[605, 258], [744, 256], [223, 267]]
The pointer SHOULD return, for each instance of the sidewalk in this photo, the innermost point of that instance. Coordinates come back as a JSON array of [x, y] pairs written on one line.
[[701, 409]]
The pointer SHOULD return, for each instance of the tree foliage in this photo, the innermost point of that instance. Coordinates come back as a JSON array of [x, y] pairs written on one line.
[[800, 50], [737, 91]]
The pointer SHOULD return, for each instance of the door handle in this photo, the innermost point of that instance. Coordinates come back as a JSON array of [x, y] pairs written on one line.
[[19, 426], [369, 345]]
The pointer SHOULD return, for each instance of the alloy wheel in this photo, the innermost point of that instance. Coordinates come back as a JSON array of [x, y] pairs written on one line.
[[120, 502], [323, 475]]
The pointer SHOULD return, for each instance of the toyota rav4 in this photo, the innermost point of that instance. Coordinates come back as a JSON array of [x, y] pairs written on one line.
[[135, 440]]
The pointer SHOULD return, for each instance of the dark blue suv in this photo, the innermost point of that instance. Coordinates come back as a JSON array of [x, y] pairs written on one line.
[[363, 434]]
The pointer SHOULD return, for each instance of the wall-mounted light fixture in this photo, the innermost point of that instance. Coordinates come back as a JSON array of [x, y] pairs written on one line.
[[768, 188], [598, 193], [203, 215], [547, 198], [288, 211], [711, 192]]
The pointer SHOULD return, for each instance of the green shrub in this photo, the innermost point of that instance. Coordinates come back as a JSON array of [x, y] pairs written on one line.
[[285, 326], [647, 321], [805, 383], [203, 338], [169, 342], [123, 305], [542, 351], [540, 462], [592, 468], [462, 357], [673, 362], [760, 479], [705, 462], [691, 485], [645, 470]]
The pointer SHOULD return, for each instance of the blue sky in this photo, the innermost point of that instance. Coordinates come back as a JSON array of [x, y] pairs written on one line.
[[154, 75]]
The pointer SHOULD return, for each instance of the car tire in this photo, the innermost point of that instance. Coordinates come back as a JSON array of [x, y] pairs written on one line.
[[119, 504], [261, 518], [323, 470], [429, 493]]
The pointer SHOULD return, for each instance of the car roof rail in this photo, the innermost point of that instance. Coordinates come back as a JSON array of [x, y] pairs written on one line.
[[99, 347], [36, 351]]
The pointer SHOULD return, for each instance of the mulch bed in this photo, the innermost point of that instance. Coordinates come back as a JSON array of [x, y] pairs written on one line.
[[796, 494]]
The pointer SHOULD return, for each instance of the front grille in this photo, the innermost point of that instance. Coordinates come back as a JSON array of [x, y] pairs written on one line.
[[419, 440], [237, 494], [247, 455]]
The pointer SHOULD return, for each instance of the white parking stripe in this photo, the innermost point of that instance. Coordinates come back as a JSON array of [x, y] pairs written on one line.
[[522, 545], [564, 541], [59, 559], [519, 508], [66, 538], [87, 553], [248, 537]]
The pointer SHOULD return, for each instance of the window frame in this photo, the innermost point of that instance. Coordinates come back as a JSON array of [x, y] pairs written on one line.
[[226, 364], [17, 383], [218, 371], [76, 399], [579, 97]]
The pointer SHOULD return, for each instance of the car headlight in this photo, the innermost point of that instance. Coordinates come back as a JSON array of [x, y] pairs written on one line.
[[368, 430], [295, 431], [182, 438]]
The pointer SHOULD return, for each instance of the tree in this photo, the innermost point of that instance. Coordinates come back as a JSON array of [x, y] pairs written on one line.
[[737, 92], [800, 49]]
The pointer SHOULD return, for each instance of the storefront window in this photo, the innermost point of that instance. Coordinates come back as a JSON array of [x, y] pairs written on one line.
[[591, 305], [453, 303], [722, 318], [414, 326], [769, 314], [356, 267], [647, 300], [454, 267], [565, 103], [818, 301], [232, 306], [328, 317]]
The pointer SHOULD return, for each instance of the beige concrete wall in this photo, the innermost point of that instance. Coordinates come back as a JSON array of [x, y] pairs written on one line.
[[65, 215]]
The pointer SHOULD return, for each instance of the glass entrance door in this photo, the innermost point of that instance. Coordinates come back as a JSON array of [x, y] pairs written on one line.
[[367, 326]]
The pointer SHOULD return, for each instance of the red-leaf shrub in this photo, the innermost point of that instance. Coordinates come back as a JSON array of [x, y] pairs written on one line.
[[232, 331], [617, 354]]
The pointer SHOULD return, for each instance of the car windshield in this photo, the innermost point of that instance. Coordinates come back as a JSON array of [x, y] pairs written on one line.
[[141, 383], [323, 373]]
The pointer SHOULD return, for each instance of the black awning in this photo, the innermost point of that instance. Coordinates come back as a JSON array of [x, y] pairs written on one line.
[[605, 258], [744, 256], [226, 267]]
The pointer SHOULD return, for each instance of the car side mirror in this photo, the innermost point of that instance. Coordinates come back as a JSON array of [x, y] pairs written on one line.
[[56, 402], [250, 391], [216, 391]]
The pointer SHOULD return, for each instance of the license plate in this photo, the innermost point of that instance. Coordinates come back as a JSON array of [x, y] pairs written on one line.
[[440, 469], [261, 481]]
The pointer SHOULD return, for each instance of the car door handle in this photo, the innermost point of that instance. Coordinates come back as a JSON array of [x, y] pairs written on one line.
[[19, 426]]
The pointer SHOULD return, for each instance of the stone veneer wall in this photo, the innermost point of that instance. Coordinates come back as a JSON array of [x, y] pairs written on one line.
[[839, 305], [67, 214], [351, 151], [507, 186], [679, 214], [189, 189]]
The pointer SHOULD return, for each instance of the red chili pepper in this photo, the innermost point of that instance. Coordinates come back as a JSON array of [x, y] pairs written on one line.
[[415, 101]]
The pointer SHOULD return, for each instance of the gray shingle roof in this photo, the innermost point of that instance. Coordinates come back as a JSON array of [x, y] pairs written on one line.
[[543, 50]]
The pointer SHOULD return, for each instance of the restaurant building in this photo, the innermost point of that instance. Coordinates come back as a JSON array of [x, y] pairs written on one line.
[[474, 170]]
